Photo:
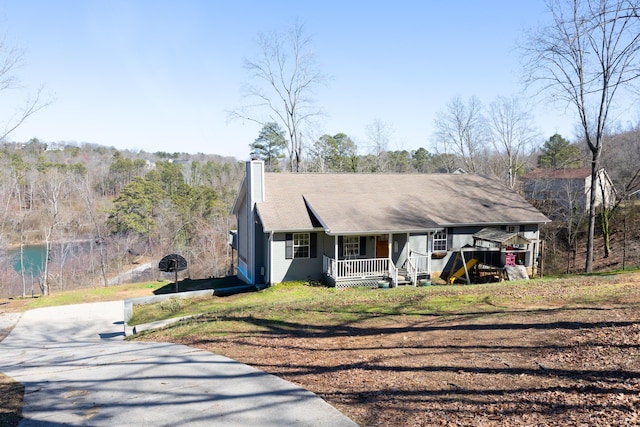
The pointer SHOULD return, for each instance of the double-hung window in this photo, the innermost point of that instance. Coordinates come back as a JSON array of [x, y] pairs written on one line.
[[301, 245], [351, 246], [440, 241]]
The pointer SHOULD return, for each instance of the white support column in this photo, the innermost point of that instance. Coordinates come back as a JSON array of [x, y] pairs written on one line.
[[335, 258], [429, 251]]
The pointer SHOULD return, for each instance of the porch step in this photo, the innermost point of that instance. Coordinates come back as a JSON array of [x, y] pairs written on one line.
[[403, 276]]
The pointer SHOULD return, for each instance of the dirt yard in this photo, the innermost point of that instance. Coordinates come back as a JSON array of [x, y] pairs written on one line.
[[551, 367], [535, 366]]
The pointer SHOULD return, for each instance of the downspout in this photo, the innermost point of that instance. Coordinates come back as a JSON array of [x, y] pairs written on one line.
[[267, 278]]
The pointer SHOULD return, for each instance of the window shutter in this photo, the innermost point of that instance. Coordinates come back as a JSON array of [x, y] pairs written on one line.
[[340, 253], [313, 245], [363, 245], [288, 246]]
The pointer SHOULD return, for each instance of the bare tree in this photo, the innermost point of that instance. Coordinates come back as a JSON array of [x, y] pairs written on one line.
[[54, 190], [10, 60], [513, 134], [585, 57], [379, 134], [83, 185], [51, 194], [460, 129], [283, 81], [621, 160]]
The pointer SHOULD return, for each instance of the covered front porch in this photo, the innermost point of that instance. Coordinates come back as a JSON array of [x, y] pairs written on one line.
[[368, 272], [363, 261]]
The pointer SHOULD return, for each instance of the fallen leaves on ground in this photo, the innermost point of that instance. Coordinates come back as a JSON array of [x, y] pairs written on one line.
[[574, 366]]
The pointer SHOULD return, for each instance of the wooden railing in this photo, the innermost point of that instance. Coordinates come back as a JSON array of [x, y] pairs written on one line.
[[359, 268], [421, 262], [418, 264]]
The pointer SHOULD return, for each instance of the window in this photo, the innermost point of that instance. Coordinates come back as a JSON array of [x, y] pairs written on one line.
[[301, 245], [513, 228], [440, 241], [351, 246]]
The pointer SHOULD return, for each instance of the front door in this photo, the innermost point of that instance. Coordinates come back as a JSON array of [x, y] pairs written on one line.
[[382, 247]]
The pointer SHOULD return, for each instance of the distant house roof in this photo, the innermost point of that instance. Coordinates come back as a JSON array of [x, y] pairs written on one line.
[[541, 173], [361, 203]]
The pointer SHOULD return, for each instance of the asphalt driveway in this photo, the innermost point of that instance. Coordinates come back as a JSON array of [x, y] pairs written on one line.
[[77, 370]]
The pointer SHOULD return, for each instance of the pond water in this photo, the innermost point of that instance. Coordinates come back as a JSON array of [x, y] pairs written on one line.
[[32, 259]]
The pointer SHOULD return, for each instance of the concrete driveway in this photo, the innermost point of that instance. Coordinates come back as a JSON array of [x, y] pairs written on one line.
[[77, 370]]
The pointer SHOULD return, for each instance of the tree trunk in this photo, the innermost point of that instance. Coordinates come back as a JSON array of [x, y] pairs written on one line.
[[595, 157], [604, 225], [44, 284]]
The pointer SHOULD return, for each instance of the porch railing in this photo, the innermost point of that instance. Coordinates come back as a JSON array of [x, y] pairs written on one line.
[[418, 264], [359, 268]]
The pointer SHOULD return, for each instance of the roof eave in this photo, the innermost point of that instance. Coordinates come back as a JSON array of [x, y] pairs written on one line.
[[293, 230], [383, 231], [493, 224], [241, 192]]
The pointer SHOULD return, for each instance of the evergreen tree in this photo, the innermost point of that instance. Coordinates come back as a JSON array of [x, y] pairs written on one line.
[[558, 152], [420, 160], [269, 146], [133, 210]]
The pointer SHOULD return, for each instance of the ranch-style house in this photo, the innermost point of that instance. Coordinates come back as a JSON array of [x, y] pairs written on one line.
[[354, 229]]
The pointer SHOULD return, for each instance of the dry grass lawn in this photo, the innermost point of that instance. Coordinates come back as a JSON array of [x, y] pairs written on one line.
[[522, 365]]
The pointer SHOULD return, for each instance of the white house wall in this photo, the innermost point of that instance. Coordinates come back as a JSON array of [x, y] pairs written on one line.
[[418, 243], [294, 269]]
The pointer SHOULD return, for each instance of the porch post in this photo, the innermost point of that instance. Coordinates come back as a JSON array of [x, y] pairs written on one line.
[[335, 258], [390, 245], [464, 264], [429, 251]]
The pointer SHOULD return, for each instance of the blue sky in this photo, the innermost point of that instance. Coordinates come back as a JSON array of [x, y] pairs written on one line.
[[162, 75]]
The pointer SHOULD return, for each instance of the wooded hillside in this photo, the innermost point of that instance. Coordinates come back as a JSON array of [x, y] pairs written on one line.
[[99, 211]]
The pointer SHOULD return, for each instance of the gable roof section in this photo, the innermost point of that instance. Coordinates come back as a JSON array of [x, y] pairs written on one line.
[[502, 237], [378, 203]]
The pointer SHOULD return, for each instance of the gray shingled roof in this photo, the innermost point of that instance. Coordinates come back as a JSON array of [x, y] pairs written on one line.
[[361, 203]]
